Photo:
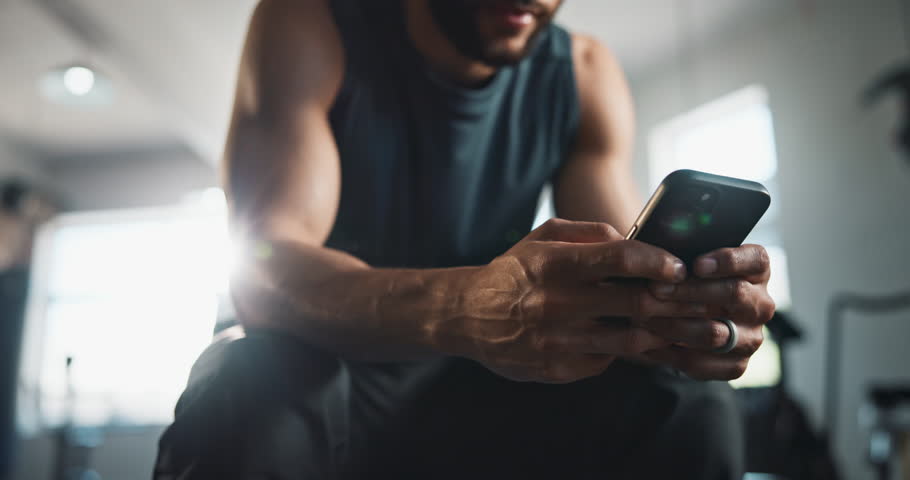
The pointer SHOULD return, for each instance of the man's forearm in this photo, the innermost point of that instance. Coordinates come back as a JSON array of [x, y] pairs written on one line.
[[339, 303]]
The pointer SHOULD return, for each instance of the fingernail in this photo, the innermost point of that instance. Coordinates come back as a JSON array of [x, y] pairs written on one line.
[[679, 271], [706, 266], [664, 289]]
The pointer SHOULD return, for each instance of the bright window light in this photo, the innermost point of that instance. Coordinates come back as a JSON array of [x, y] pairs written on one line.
[[731, 136], [764, 366], [779, 284], [131, 297]]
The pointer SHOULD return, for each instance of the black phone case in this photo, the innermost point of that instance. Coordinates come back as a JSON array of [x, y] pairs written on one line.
[[688, 224]]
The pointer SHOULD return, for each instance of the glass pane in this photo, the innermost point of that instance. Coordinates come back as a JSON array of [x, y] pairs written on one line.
[[739, 144], [133, 302], [732, 136]]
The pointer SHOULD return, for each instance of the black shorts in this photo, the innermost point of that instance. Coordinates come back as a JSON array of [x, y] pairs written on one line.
[[266, 406]]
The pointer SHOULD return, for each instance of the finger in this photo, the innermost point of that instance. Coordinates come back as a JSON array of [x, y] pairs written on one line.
[[749, 261], [701, 365], [698, 333], [705, 335], [606, 339], [623, 259], [749, 303], [559, 230], [621, 299], [729, 291]]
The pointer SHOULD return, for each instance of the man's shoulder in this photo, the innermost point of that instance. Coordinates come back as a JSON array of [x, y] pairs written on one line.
[[294, 48], [595, 65], [293, 8], [590, 54]]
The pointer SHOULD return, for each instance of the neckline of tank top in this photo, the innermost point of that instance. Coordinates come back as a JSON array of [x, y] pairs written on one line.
[[471, 94]]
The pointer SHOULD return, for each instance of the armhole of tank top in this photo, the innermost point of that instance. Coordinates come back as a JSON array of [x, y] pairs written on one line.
[[340, 11], [573, 120]]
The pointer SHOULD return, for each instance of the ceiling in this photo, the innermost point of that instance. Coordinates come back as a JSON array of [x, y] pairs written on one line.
[[173, 62]]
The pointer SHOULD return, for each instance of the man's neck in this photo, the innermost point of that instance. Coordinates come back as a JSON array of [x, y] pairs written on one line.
[[442, 55]]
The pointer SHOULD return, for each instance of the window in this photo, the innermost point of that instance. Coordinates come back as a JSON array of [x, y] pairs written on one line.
[[131, 298], [732, 136]]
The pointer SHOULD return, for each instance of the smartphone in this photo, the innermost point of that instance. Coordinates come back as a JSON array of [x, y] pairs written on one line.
[[692, 213]]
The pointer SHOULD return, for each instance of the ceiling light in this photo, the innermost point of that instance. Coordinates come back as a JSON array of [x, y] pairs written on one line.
[[79, 80], [76, 85]]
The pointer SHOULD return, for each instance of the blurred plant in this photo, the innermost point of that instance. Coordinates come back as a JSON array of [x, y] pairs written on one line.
[[895, 79]]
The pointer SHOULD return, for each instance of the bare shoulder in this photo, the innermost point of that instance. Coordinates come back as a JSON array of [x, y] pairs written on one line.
[[607, 110], [284, 17], [300, 11], [596, 67], [293, 47]]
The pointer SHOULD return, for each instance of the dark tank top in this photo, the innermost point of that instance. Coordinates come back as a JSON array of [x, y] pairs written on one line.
[[437, 175], [433, 174]]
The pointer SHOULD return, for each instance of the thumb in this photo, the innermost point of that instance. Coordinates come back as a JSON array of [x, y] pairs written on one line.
[[559, 230]]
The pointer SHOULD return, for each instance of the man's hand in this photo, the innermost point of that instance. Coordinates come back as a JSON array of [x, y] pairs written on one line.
[[535, 313], [729, 283]]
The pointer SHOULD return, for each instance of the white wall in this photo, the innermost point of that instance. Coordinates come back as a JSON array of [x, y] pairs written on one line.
[[844, 192], [155, 177], [15, 162]]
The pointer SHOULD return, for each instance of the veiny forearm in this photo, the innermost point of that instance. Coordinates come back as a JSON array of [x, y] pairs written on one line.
[[335, 301]]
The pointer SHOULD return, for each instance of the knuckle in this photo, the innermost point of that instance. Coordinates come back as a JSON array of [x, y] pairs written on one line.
[[736, 369], [547, 229], [767, 311], [763, 258], [552, 224], [728, 256], [752, 344], [608, 231], [535, 265], [739, 291]]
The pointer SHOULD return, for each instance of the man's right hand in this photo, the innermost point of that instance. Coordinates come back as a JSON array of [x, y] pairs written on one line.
[[536, 312]]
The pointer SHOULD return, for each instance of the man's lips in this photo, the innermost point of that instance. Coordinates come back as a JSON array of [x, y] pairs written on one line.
[[512, 15]]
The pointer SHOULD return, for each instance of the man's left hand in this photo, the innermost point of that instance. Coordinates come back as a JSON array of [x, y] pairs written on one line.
[[729, 283]]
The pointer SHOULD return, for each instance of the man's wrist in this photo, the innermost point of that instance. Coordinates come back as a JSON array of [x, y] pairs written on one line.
[[447, 330]]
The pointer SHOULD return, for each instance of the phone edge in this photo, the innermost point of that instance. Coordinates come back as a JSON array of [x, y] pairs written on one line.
[[646, 212]]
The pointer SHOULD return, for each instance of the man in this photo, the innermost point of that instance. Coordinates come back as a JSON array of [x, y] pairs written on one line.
[[384, 162]]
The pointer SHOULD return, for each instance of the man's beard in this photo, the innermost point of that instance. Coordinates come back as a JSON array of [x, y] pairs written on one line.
[[458, 21]]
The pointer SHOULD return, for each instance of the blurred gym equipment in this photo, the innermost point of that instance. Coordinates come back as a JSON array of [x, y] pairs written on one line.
[[887, 412]]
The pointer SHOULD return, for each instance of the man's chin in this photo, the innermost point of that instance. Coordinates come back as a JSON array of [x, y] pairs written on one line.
[[505, 56], [502, 60]]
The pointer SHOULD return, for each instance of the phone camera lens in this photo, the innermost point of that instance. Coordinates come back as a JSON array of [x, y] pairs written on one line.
[[703, 200]]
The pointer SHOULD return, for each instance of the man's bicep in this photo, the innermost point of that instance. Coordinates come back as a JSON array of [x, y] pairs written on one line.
[[596, 182], [281, 162], [284, 181]]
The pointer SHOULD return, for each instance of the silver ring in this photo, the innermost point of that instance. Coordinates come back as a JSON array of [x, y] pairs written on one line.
[[734, 337]]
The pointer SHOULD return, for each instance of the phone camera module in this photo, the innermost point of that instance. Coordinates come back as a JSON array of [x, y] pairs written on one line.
[[703, 200]]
